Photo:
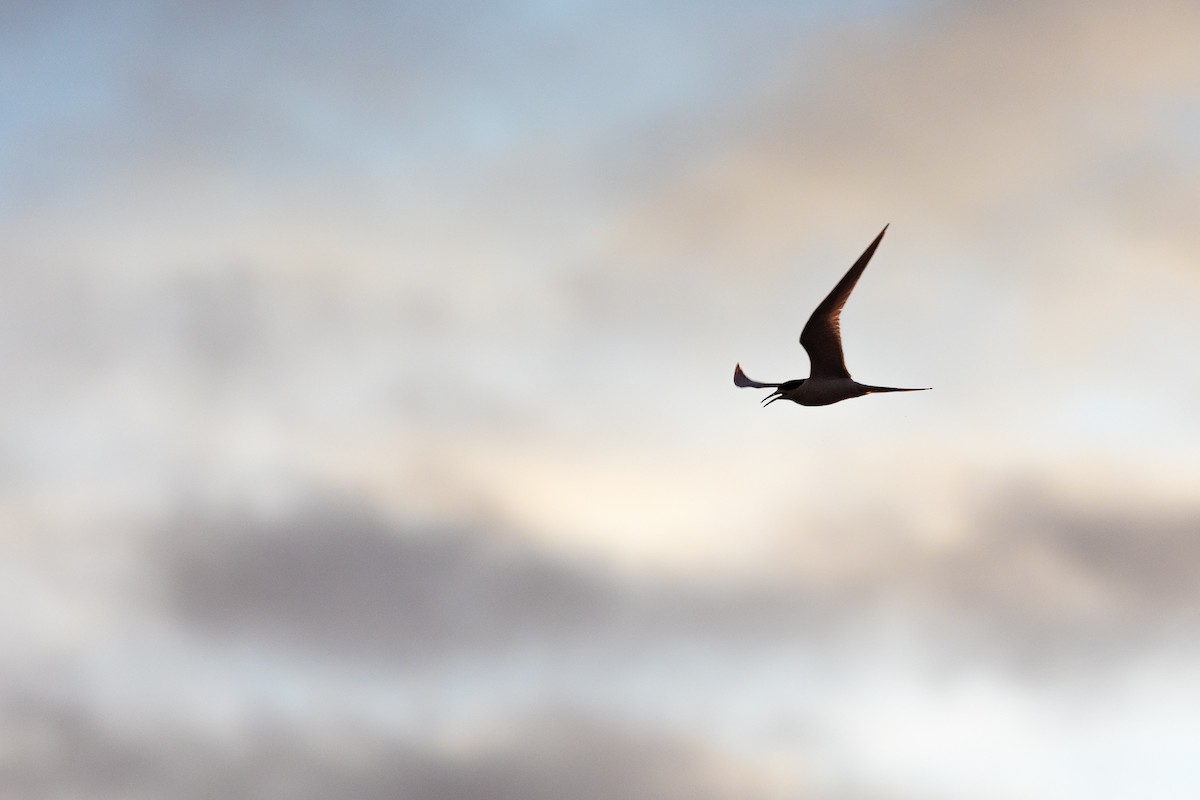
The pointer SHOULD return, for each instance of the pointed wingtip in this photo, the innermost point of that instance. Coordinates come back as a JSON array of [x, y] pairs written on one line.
[[878, 238]]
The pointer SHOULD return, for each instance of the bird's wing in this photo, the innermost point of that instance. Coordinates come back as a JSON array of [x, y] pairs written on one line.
[[822, 335]]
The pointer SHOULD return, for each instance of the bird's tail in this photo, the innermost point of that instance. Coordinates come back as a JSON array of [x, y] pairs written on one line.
[[740, 379]]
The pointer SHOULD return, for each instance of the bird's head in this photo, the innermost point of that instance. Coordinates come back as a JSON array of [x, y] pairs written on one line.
[[781, 392]]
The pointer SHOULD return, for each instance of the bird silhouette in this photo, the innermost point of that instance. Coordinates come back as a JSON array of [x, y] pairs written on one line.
[[828, 379]]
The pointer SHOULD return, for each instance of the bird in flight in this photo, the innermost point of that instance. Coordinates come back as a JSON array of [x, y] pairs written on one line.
[[828, 379]]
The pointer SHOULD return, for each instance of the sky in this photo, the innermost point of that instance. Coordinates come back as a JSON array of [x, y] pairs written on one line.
[[368, 427]]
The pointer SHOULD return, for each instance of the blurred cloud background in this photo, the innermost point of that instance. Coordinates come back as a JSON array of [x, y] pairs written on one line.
[[368, 428]]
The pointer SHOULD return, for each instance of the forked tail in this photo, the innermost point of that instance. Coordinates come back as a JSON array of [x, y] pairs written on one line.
[[740, 379]]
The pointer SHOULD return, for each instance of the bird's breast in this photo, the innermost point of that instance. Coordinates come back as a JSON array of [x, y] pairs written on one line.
[[823, 391]]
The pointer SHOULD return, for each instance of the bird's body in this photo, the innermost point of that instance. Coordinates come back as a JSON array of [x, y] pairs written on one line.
[[828, 381]]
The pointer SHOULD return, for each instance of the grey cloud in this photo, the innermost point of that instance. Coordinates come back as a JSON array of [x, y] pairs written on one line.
[[65, 751], [1032, 576], [340, 578], [1065, 573], [1033, 582]]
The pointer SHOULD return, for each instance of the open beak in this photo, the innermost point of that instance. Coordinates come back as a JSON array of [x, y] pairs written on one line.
[[772, 397]]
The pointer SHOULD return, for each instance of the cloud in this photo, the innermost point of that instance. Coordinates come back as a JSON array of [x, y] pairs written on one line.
[[335, 580], [1027, 578], [1058, 579], [1032, 580], [338, 578], [962, 119], [1021, 151], [1030, 576], [56, 751]]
